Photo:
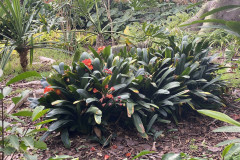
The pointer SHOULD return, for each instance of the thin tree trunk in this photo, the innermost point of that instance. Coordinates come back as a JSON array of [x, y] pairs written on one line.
[[99, 40], [23, 58], [108, 10]]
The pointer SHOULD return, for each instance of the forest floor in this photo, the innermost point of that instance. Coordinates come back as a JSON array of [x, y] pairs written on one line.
[[193, 135]]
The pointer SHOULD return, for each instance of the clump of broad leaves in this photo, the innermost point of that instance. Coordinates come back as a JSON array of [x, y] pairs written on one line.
[[138, 88]]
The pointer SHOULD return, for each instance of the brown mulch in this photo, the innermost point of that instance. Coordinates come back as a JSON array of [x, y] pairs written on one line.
[[193, 135]]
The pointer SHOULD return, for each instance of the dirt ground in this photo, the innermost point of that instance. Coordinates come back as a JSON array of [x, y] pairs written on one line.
[[193, 135]]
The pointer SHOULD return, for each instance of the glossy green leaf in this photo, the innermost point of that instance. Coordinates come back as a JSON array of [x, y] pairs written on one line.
[[56, 125], [227, 142], [45, 122], [227, 129], [231, 150], [138, 123], [39, 112], [23, 76], [36, 131], [151, 122], [130, 108], [220, 116], [23, 113], [65, 138]]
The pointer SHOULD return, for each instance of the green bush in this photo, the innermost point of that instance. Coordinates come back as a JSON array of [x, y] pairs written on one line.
[[137, 88]]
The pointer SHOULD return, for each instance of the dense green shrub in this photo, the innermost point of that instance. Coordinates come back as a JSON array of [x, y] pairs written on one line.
[[137, 88]]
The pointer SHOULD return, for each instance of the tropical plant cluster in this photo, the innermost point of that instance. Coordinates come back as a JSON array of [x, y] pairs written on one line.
[[136, 87]]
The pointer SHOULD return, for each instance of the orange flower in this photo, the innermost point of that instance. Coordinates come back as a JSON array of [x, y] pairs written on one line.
[[106, 157], [48, 89], [100, 49], [106, 87], [58, 91], [88, 63], [128, 154], [112, 89], [95, 90], [110, 96]]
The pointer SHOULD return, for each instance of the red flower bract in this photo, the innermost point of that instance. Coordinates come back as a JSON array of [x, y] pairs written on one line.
[[88, 63], [48, 89]]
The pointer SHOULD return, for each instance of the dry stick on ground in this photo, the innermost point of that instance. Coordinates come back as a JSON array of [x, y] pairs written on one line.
[[108, 10]]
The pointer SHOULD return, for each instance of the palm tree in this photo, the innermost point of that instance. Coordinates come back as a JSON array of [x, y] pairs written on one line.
[[17, 26]]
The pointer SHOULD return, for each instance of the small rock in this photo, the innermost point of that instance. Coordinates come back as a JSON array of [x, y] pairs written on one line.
[[46, 60]]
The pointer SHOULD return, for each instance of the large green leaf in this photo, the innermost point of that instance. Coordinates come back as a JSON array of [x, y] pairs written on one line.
[[130, 108], [23, 113], [39, 112], [171, 156], [29, 141], [58, 124], [14, 141], [151, 122], [220, 116], [138, 124], [40, 145], [65, 138], [231, 150], [227, 129], [23, 76], [227, 142]]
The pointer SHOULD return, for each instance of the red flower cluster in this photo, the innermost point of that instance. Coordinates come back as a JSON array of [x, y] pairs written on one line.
[[110, 96], [48, 89], [88, 63], [108, 71], [100, 49]]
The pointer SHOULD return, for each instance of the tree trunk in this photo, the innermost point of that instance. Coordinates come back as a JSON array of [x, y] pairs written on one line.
[[228, 15], [23, 58], [99, 41]]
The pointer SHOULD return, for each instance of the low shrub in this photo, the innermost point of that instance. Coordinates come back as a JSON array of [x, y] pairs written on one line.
[[137, 88]]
